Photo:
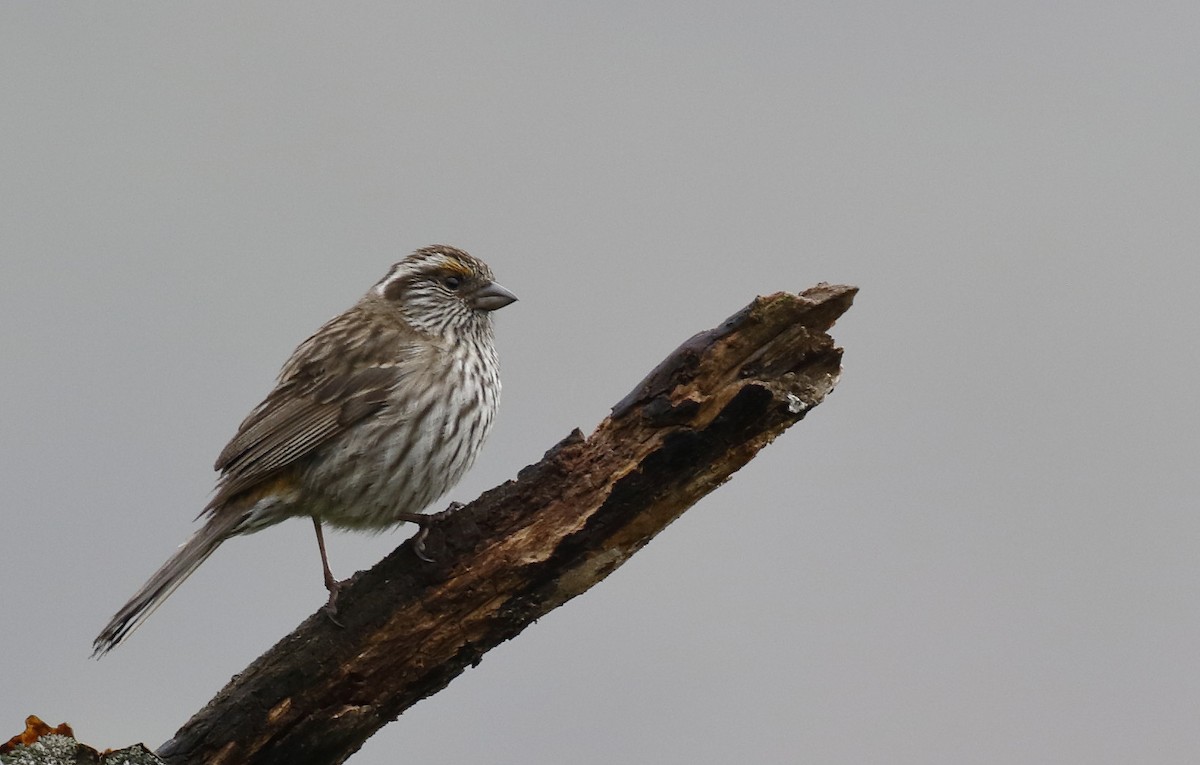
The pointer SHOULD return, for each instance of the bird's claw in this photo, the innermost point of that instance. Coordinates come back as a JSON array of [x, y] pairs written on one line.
[[330, 607], [418, 540], [419, 544]]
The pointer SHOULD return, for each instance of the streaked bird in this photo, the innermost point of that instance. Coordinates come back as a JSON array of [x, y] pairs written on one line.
[[372, 419]]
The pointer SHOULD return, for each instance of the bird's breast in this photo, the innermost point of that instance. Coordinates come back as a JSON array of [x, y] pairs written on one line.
[[413, 450]]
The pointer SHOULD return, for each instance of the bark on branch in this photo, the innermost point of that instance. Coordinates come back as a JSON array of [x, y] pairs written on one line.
[[529, 545]]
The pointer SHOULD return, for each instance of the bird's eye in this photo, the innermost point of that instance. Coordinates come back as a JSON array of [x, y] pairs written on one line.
[[452, 283]]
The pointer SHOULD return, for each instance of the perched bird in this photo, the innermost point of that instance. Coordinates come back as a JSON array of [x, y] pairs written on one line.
[[372, 419]]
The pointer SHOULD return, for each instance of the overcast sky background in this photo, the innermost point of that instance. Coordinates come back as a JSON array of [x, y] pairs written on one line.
[[981, 548]]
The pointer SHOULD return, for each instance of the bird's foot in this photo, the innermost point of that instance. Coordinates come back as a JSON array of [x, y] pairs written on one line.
[[330, 608], [425, 521]]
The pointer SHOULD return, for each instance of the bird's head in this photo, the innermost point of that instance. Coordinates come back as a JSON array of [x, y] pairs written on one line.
[[443, 291]]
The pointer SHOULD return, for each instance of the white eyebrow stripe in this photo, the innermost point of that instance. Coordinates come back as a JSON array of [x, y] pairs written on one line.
[[398, 272], [418, 262]]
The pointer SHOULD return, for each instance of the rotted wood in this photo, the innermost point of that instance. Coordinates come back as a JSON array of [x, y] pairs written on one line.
[[528, 546]]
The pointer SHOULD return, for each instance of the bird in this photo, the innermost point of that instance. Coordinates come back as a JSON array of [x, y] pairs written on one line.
[[372, 418]]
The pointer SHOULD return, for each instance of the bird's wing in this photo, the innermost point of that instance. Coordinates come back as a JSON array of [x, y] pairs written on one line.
[[298, 416]]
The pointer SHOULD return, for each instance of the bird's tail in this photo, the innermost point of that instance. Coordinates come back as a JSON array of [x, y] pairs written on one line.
[[170, 575]]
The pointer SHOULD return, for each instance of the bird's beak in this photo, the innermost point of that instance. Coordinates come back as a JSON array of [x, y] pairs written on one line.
[[491, 297]]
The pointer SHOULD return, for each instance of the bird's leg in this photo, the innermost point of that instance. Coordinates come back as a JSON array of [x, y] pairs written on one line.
[[425, 520], [331, 584]]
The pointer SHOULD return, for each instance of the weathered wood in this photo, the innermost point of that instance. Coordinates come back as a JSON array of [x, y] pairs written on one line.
[[528, 546]]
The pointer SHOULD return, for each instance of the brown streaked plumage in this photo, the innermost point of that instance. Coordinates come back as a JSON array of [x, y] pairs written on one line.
[[372, 418]]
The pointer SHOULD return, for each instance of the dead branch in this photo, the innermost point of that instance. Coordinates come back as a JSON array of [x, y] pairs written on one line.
[[529, 545]]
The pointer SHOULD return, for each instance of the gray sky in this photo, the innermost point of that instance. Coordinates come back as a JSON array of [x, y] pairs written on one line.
[[982, 548]]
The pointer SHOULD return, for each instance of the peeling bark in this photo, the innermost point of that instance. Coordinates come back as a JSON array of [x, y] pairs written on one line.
[[529, 545]]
